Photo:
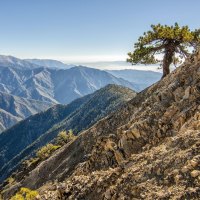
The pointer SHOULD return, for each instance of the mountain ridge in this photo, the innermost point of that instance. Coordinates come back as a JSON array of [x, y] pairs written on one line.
[[49, 63], [77, 115], [147, 149], [11, 61]]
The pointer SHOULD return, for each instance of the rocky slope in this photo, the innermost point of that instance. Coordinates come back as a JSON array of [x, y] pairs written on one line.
[[149, 149], [39, 129], [14, 109]]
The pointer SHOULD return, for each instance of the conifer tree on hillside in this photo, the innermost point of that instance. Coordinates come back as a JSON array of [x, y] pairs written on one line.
[[173, 42]]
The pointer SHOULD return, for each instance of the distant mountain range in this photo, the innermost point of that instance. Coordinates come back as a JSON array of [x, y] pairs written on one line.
[[28, 80], [13, 109], [50, 63], [52, 82], [13, 62], [28, 135], [140, 78], [120, 65]]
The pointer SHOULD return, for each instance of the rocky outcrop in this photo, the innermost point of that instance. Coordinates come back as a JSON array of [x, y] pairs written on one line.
[[149, 149]]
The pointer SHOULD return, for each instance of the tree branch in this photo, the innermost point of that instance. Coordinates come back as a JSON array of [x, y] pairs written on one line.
[[183, 51]]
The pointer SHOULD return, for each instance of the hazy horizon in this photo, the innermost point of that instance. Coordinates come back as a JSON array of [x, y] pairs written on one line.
[[117, 65], [102, 65]]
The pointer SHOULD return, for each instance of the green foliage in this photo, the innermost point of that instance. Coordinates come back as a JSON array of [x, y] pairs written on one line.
[[65, 137], [25, 194], [162, 39], [46, 151], [10, 180], [31, 161]]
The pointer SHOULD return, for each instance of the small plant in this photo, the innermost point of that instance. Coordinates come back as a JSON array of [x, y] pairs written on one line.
[[31, 161], [10, 180], [25, 194], [65, 137], [46, 151]]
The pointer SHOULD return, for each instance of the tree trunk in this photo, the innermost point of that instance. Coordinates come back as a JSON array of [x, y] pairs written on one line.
[[167, 60]]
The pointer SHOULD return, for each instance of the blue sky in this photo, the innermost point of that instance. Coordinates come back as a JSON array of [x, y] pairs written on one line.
[[85, 30]]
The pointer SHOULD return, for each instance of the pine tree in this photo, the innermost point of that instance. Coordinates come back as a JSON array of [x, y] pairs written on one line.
[[173, 42]]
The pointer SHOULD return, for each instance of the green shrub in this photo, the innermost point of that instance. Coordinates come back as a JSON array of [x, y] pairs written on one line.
[[25, 194], [31, 161], [65, 137], [10, 180], [46, 151]]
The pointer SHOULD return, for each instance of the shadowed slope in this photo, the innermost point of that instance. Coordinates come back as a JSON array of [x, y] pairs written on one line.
[[39, 129]]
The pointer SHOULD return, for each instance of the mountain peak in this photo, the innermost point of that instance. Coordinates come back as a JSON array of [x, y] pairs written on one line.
[[11, 61], [49, 63]]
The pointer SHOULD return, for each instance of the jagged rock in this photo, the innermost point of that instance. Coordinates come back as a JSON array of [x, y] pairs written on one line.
[[187, 93], [185, 169], [107, 195], [195, 173], [135, 132], [177, 179], [194, 163], [178, 94]]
